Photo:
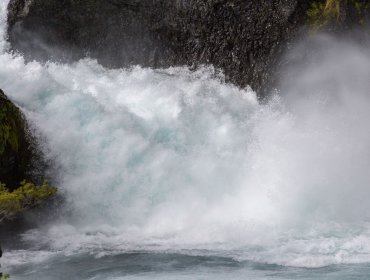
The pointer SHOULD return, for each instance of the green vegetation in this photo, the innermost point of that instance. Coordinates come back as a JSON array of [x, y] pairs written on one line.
[[332, 8], [321, 14], [315, 14], [362, 9], [324, 13], [16, 150], [26, 196], [23, 198], [9, 134]]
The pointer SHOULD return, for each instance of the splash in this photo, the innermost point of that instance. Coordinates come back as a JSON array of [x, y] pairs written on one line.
[[175, 159]]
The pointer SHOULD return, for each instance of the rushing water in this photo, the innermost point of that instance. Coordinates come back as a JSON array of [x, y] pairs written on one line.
[[174, 174]]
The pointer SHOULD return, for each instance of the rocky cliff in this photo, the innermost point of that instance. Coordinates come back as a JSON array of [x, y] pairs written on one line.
[[15, 144], [243, 38]]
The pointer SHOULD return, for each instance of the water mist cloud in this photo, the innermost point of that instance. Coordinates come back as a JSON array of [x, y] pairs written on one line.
[[179, 159], [327, 89]]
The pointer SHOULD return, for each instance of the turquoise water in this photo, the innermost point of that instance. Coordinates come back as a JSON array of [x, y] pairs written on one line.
[[175, 174], [149, 265]]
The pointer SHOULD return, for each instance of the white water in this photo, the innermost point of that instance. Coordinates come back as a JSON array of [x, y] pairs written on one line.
[[174, 160]]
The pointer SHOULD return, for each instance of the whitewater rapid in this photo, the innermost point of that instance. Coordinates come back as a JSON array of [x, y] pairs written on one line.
[[177, 160]]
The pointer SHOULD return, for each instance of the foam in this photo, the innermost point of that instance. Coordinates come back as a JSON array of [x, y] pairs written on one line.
[[175, 159]]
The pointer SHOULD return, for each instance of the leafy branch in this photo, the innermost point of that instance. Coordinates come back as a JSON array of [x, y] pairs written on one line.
[[27, 196]]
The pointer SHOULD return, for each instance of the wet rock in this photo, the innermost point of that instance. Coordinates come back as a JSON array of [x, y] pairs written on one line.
[[15, 152], [243, 38]]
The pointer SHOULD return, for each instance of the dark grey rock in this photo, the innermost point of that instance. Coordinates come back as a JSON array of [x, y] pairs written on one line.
[[19, 154], [243, 38]]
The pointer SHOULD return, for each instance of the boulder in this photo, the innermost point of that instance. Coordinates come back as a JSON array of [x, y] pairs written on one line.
[[15, 147]]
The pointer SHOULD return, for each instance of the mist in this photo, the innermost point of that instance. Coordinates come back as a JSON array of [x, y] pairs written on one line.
[[175, 160]]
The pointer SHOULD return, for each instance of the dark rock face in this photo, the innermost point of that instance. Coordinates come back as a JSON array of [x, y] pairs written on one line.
[[15, 152], [244, 38]]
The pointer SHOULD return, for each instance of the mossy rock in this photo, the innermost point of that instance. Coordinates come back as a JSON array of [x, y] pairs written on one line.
[[338, 15], [15, 154]]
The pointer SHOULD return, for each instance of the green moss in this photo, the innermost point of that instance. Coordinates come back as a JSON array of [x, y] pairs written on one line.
[[18, 149], [315, 14], [26, 196], [321, 14], [325, 13], [362, 9], [10, 120], [332, 8]]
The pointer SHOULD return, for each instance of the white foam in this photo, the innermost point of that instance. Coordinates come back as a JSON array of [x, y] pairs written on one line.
[[175, 159]]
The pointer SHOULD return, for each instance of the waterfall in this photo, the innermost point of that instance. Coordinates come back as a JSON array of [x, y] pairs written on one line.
[[175, 159]]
